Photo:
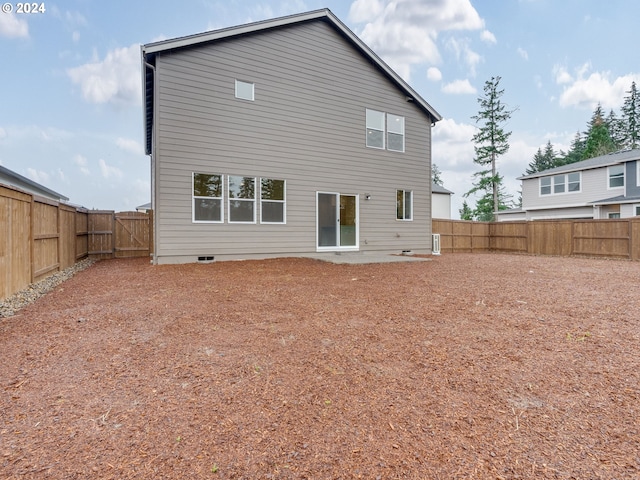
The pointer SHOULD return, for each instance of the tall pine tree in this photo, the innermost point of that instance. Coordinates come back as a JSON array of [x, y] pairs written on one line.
[[491, 141], [631, 119], [599, 141]]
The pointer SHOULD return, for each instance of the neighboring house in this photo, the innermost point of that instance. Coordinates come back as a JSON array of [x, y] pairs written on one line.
[[440, 201], [286, 137], [144, 208], [13, 179], [601, 187]]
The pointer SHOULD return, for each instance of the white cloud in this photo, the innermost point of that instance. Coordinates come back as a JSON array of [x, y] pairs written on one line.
[[434, 74], [523, 53], [459, 87], [404, 32], [37, 175], [463, 52], [82, 163], [488, 37], [3, 133], [596, 88], [115, 79], [561, 75], [108, 171], [453, 143], [13, 27], [130, 146]]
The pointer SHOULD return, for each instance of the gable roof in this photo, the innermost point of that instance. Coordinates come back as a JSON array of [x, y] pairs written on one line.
[[596, 162], [150, 50], [13, 179], [435, 188]]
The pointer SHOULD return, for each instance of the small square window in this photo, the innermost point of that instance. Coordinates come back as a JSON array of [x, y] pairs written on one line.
[[616, 176], [545, 186], [245, 90]]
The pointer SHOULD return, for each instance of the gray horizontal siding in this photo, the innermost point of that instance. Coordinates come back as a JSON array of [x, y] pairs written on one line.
[[307, 126]]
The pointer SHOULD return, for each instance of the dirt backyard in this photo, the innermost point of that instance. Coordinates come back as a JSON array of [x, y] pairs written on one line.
[[462, 367]]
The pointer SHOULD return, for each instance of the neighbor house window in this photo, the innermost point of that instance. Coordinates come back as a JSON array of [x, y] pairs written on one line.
[[395, 135], [272, 201], [244, 90], [385, 130], [404, 205], [636, 210], [375, 129], [545, 186], [616, 176], [561, 184], [207, 197], [242, 199]]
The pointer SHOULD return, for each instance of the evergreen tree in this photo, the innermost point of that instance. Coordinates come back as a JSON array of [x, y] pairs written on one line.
[[599, 141], [465, 212], [543, 160], [631, 119], [616, 130], [436, 175], [491, 141], [576, 151], [484, 211]]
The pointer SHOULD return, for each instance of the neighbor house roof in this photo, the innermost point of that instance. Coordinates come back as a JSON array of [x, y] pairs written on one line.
[[435, 188], [150, 50], [596, 162], [13, 179]]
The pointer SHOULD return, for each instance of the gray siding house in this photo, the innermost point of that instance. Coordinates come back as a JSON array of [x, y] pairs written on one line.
[[287, 137], [13, 179], [602, 187]]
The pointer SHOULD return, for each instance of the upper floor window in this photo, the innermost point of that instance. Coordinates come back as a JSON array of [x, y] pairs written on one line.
[[616, 176], [245, 90], [385, 130], [567, 183], [207, 197]]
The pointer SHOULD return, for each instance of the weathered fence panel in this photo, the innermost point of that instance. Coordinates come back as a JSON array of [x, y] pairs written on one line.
[[550, 237], [609, 238], [100, 227], [457, 236]]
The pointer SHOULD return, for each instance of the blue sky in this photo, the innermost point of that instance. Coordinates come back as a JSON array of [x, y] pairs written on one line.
[[70, 85]]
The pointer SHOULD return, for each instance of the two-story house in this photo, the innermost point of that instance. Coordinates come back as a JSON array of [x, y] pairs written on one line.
[[602, 187], [285, 137]]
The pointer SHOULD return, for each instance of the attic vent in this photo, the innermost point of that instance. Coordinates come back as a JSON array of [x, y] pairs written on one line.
[[206, 259]]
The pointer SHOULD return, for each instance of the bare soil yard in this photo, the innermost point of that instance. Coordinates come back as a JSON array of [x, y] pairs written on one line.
[[465, 366]]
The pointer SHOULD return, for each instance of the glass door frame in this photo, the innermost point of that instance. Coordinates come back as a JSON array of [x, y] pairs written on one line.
[[338, 247]]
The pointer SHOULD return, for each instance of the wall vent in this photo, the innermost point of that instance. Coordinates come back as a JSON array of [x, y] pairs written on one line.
[[206, 259]]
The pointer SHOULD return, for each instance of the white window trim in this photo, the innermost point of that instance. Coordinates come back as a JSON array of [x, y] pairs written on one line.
[[404, 197], [384, 129], [254, 200], [552, 185], [253, 90], [624, 179], [283, 202], [395, 133], [193, 197]]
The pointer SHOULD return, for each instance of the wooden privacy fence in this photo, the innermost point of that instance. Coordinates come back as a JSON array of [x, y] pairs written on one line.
[[616, 238], [39, 237]]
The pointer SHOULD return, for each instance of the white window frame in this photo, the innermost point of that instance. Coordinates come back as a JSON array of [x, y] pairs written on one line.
[[195, 197], [404, 217], [247, 200], [239, 91], [553, 184], [617, 175], [636, 210], [369, 115], [283, 202], [393, 121]]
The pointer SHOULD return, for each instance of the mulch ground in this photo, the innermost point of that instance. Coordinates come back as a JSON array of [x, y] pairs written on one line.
[[465, 366]]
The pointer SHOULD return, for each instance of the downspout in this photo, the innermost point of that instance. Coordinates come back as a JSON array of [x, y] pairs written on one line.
[[154, 258]]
